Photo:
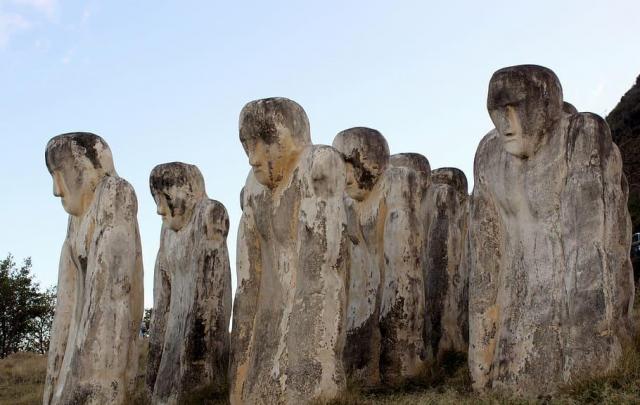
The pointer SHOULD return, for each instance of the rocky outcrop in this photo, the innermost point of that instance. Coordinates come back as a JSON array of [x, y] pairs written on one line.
[[624, 121], [93, 354], [551, 288], [446, 268], [189, 334], [289, 315]]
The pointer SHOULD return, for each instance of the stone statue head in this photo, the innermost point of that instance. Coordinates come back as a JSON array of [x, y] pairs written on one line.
[[176, 188], [525, 103], [366, 154], [414, 161], [273, 132], [451, 176], [77, 162]]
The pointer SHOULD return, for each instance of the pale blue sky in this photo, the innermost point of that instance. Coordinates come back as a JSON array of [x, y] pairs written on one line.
[[164, 81]]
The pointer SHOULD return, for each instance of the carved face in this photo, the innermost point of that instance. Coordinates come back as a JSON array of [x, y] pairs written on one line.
[[176, 188], [509, 125], [75, 182], [524, 103], [175, 206], [269, 156], [77, 162], [351, 185], [361, 177], [366, 156]]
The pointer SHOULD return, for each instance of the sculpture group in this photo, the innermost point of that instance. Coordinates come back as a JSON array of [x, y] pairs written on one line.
[[352, 264]]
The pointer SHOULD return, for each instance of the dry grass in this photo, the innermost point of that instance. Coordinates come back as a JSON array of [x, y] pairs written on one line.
[[450, 383], [620, 386], [22, 379], [446, 383]]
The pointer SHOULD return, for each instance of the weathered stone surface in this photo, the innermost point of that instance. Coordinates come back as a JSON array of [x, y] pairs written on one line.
[[366, 161], [551, 285], [569, 108], [189, 334], [414, 161], [289, 314], [386, 302], [404, 353], [446, 270], [93, 354]]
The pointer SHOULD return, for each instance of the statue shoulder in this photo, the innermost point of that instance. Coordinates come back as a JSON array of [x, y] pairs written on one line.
[[398, 178], [488, 146], [588, 130], [117, 196], [115, 184], [216, 220], [326, 170], [589, 141], [251, 189], [488, 154], [402, 187], [586, 119], [326, 162]]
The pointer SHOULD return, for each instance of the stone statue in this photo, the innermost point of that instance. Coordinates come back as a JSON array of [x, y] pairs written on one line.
[[569, 108], [93, 354], [363, 197], [404, 352], [189, 336], [289, 315], [446, 270], [551, 286], [386, 302]]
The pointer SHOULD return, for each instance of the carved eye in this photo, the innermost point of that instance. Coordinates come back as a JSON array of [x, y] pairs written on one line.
[[515, 104]]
